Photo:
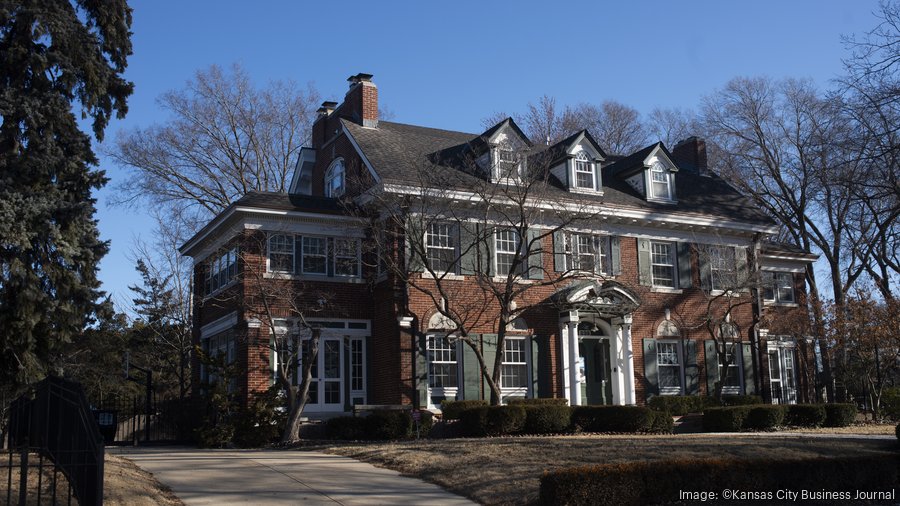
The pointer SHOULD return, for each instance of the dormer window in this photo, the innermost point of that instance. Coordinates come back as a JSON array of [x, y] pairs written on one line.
[[334, 179], [660, 182], [508, 163], [584, 172]]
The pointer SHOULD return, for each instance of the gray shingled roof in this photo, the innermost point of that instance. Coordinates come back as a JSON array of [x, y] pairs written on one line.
[[400, 153]]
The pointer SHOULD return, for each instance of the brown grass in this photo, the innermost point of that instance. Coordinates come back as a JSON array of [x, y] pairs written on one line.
[[508, 470], [125, 484]]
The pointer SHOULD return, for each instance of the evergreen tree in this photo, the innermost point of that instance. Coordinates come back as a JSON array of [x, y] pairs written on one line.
[[53, 55]]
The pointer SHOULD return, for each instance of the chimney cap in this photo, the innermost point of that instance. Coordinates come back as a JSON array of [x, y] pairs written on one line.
[[692, 138], [360, 78], [328, 104]]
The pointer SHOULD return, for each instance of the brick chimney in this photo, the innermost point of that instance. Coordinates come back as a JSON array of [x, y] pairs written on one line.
[[320, 126], [361, 102], [690, 155]]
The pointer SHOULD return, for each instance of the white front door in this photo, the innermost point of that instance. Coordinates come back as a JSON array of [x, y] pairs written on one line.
[[325, 390]]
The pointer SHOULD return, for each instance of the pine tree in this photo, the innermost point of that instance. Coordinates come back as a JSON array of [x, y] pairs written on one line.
[[54, 56]]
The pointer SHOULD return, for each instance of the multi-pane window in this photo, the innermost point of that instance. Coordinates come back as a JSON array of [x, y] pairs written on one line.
[[514, 371], [507, 163], [669, 367], [442, 362], [346, 257], [660, 183], [221, 270], [314, 256], [584, 172], [356, 364], [732, 377], [441, 244], [722, 268], [334, 180], [778, 287], [588, 253], [662, 264], [506, 245], [281, 253]]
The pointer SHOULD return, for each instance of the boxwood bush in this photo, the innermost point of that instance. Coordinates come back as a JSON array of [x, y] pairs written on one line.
[[546, 418], [345, 427], [555, 401], [741, 400], [380, 425], [764, 417], [678, 405], [805, 415], [493, 420], [661, 422], [840, 415], [725, 419], [450, 410], [612, 418]]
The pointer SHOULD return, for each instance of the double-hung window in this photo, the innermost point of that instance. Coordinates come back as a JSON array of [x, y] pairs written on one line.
[[508, 164], [281, 253], [660, 182], [220, 271], [442, 370], [346, 257], [662, 263], [722, 268], [441, 244], [514, 371], [669, 367], [506, 246], [588, 253], [314, 256], [778, 287], [584, 172]]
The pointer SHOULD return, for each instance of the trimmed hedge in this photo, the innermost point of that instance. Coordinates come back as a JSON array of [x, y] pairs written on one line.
[[725, 419], [897, 431], [493, 420], [890, 403], [345, 427], [678, 405], [661, 422], [540, 401], [662, 481], [764, 417], [451, 410], [546, 418], [377, 425], [840, 415], [741, 400], [613, 418], [805, 415]]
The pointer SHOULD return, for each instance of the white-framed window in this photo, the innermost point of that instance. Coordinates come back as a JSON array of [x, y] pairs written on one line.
[[585, 177], [334, 179], [314, 255], [660, 182], [346, 257], [669, 367], [506, 246], [722, 268], [588, 253], [442, 365], [441, 245], [662, 264], [514, 370], [281, 253], [220, 271], [778, 287], [732, 379], [508, 164]]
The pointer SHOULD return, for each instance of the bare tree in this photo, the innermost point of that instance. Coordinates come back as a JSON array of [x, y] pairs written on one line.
[[617, 127], [672, 125]]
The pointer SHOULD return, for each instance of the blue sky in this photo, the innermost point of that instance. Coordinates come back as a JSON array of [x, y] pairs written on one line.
[[450, 64]]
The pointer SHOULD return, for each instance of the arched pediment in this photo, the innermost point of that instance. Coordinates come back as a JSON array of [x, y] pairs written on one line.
[[605, 298]]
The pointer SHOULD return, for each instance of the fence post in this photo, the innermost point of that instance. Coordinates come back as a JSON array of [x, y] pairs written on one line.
[[23, 473]]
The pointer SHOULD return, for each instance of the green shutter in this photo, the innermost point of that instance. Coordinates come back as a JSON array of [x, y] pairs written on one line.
[[749, 370], [705, 272], [468, 248], [559, 251], [691, 369], [489, 351], [471, 380], [712, 366], [651, 374], [645, 276], [615, 254], [413, 237], [420, 374], [536, 358], [487, 265], [535, 254], [685, 274], [743, 268], [298, 251], [329, 256]]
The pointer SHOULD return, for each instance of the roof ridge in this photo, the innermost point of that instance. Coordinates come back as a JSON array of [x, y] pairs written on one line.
[[420, 127]]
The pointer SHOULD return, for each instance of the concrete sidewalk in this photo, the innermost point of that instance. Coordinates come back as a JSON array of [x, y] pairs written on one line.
[[264, 477]]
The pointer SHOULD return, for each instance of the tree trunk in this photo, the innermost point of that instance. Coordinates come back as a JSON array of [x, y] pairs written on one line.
[[298, 402]]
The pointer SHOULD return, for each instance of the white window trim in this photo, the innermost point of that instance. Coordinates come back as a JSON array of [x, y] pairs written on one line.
[[497, 252], [583, 159], [496, 175], [449, 393], [303, 256], [454, 229], [601, 242], [670, 183], [679, 351], [334, 259], [513, 392], [729, 270], [269, 253], [776, 301], [330, 176], [673, 258], [737, 362]]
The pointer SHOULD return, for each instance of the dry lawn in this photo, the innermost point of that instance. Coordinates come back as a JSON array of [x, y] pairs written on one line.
[[125, 484], [508, 470]]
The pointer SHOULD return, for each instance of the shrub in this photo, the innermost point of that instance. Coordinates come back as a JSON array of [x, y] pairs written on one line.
[[554, 401], [426, 423], [612, 418], [741, 400], [493, 420], [890, 403], [661, 422], [764, 417], [546, 418], [678, 405], [840, 415], [346, 428], [451, 410], [805, 415], [897, 431], [725, 419], [262, 422], [388, 424], [662, 481]]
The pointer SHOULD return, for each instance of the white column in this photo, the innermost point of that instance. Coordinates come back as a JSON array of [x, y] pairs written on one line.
[[629, 360], [564, 357], [616, 362], [574, 383]]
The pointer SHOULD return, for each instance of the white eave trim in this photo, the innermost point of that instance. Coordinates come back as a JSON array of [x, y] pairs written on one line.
[[220, 325], [810, 258]]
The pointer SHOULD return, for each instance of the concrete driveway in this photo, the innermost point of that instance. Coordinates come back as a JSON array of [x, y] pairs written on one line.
[[265, 477]]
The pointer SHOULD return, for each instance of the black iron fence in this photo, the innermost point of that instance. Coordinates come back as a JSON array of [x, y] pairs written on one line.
[[55, 451], [130, 422]]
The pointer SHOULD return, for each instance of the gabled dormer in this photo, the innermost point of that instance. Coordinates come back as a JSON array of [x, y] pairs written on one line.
[[501, 152], [576, 162], [651, 172]]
